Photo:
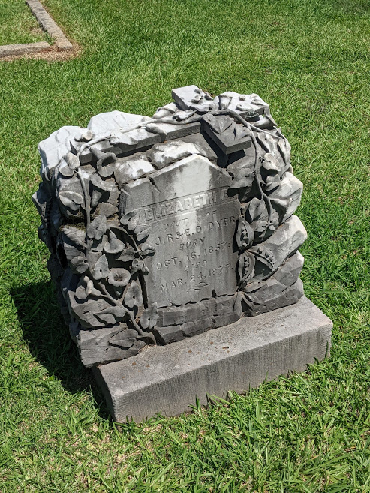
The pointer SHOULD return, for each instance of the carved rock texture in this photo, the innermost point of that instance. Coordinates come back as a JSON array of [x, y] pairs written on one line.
[[161, 228]]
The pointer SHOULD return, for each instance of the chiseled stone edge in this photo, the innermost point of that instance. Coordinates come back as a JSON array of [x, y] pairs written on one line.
[[49, 25], [168, 379]]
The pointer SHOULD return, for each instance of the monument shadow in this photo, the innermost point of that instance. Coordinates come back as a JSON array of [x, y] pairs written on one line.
[[49, 340]]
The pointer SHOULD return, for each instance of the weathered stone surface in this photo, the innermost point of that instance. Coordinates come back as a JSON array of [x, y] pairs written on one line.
[[168, 379], [270, 254], [168, 232], [162, 155], [193, 98], [246, 105], [114, 121], [132, 168], [229, 135], [55, 147], [272, 296], [105, 345], [23, 49], [192, 222], [166, 335], [201, 143], [169, 131]]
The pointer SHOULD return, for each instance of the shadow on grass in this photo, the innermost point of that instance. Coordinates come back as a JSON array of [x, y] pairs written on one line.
[[49, 341]]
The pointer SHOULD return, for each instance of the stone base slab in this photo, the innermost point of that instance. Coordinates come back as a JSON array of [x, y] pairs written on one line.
[[168, 379]]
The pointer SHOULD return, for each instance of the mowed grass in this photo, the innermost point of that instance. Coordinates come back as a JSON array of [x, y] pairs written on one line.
[[307, 433], [17, 24]]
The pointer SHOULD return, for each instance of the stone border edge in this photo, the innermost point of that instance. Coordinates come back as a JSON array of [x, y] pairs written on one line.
[[48, 24]]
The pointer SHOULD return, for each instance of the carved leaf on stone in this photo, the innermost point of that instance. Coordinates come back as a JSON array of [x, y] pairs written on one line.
[[86, 311], [147, 249], [127, 255], [86, 288], [149, 317], [256, 210], [72, 161], [284, 149], [243, 178], [106, 161], [125, 338], [265, 257], [73, 235], [112, 314], [65, 170], [71, 200], [244, 234], [138, 265], [114, 245], [95, 197], [101, 270], [79, 263], [97, 228], [100, 184], [142, 232], [134, 295], [246, 267]]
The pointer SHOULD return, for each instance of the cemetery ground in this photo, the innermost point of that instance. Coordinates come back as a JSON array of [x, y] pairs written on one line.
[[18, 25], [307, 433]]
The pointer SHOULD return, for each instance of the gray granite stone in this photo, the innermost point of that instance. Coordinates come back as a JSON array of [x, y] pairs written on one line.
[[272, 253], [193, 98], [167, 335], [247, 105], [168, 232], [229, 135], [271, 296], [169, 131], [105, 345], [192, 223], [167, 380], [114, 121]]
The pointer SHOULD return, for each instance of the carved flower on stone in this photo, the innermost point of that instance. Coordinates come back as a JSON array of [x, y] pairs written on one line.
[[119, 277]]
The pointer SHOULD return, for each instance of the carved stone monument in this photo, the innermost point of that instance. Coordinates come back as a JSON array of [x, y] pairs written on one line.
[[164, 228]]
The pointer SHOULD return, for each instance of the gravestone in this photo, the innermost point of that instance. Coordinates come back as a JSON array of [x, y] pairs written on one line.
[[174, 227]]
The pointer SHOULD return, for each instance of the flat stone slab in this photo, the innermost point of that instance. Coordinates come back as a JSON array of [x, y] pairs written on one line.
[[23, 49], [168, 379]]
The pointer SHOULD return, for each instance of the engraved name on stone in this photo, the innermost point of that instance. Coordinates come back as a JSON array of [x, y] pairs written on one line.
[[192, 231]]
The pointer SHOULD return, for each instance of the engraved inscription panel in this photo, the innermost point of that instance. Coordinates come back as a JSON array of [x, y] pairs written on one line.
[[192, 232]]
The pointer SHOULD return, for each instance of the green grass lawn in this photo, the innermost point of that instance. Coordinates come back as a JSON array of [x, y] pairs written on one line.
[[307, 433], [17, 24]]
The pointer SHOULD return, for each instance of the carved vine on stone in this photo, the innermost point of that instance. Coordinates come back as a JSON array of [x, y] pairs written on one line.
[[98, 250]]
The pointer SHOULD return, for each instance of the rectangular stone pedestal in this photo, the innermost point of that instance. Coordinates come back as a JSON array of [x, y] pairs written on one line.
[[168, 379]]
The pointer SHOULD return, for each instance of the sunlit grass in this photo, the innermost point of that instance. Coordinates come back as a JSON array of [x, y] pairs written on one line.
[[307, 433], [17, 24]]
